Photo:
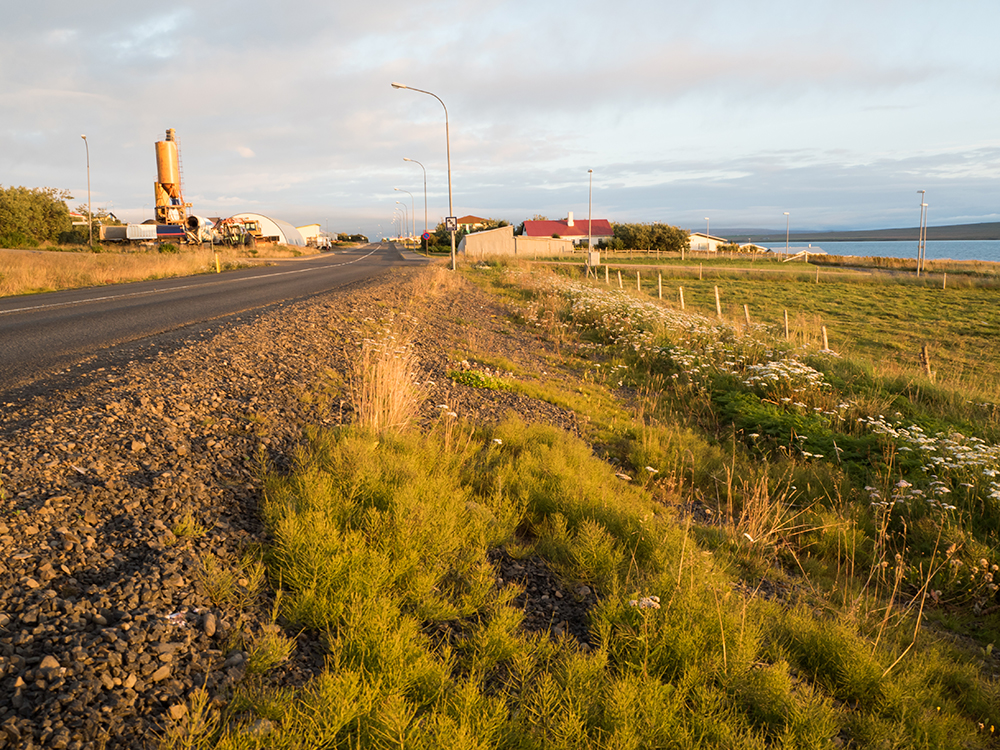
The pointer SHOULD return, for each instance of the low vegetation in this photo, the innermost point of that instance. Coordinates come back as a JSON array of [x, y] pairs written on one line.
[[49, 269], [791, 547]]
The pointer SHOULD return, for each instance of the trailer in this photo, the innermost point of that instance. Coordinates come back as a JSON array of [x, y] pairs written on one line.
[[170, 232], [141, 233]]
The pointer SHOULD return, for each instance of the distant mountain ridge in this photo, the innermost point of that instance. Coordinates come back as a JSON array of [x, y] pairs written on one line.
[[981, 231]]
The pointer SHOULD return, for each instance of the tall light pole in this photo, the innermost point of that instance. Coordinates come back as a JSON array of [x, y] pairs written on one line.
[[590, 212], [404, 214], [920, 231], [708, 226], [447, 142], [425, 190], [787, 220], [90, 213], [412, 230]]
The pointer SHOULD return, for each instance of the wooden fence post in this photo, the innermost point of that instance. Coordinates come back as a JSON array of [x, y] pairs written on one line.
[[944, 282], [826, 342], [620, 279], [638, 284], [786, 326], [925, 360], [681, 290], [659, 285], [746, 314], [718, 304], [606, 279], [699, 272]]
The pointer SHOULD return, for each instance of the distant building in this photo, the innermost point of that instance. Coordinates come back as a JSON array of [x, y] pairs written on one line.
[[707, 243], [309, 231], [501, 241], [471, 223], [315, 236], [575, 231]]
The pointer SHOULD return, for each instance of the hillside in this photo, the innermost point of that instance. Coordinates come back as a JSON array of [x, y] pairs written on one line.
[[981, 231]]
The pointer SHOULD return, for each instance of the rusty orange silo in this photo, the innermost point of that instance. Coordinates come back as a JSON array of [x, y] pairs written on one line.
[[170, 205]]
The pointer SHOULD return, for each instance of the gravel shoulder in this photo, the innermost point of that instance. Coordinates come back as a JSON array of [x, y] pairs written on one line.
[[108, 619]]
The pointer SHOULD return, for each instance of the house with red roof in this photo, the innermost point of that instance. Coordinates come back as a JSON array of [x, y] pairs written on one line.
[[577, 231], [471, 223]]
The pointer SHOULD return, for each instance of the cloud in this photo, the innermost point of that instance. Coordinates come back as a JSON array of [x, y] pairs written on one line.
[[681, 109]]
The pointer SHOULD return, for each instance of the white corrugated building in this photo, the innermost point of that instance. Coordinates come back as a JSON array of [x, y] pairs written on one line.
[[275, 230]]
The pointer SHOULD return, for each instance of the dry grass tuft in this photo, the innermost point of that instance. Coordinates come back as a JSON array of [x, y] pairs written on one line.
[[385, 382]]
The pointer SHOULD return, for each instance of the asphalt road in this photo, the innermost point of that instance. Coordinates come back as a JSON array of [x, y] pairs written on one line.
[[44, 333]]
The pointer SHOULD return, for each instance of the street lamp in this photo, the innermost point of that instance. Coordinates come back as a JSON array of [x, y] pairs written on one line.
[[708, 225], [921, 230], [425, 190], [786, 233], [404, 214], [90, 213], [395, 220], [590, 214], [447, 143], [412, 230]]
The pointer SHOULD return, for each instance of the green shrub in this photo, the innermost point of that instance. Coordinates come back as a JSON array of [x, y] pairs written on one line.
[[38, 214], [478, 379], [15, 239]]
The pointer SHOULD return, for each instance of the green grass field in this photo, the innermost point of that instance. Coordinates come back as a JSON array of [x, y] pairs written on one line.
[[792, 548]]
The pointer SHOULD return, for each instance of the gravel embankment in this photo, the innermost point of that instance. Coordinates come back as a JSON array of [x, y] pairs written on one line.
[[106, 622]]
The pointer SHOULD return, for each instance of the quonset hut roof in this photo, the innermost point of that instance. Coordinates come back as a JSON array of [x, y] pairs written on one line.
[[285, 232]]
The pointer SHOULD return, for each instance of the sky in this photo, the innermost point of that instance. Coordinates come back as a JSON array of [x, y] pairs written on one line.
[[704, 114]]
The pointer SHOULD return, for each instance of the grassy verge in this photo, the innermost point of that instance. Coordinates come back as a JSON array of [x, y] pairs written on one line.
[[984, 271], [789, 548]]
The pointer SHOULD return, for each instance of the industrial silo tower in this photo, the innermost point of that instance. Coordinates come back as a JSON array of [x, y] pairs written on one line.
[[170, 205]]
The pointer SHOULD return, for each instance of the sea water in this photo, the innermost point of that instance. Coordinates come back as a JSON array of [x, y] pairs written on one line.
[[941, 250]]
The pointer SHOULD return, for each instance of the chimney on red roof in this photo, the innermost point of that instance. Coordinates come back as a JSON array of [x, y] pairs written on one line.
[[569, 222]]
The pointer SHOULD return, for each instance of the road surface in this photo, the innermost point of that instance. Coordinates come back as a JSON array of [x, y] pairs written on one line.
[[43, 333]]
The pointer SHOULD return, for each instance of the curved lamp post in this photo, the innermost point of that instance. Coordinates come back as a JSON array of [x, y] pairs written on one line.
[[425, 190], [412, 230], [447, 141], [90, 213], [396, 217], [405, 221]]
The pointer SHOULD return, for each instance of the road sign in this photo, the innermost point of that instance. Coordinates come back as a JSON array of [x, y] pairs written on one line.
[[425, 236], [451, 223]]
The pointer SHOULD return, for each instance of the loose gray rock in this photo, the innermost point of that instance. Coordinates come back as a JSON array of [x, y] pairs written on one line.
[[93, 457]]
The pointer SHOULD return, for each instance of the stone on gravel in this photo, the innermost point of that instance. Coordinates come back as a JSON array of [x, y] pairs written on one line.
[[160, 674]]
